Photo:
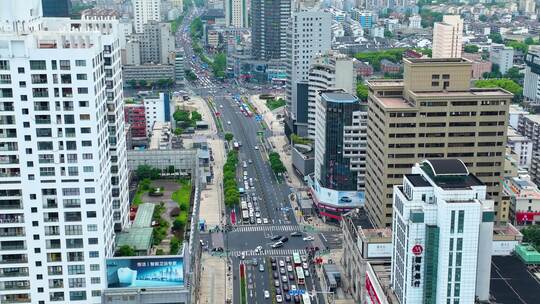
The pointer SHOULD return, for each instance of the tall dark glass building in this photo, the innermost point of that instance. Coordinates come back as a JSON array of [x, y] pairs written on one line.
[[269, 21], [334, 135], [56, 8]]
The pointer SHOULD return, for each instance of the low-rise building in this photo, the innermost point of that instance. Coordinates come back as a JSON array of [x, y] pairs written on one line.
[[148, 72], [525, 200], [521, 145], [363, 69], [503, 56], [388, 66], [134, 115]]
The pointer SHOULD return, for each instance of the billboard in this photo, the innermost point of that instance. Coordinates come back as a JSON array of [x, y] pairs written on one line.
[[338, 199], [147, 271]]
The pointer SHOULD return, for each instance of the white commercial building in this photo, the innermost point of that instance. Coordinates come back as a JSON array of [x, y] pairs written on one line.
[[308, 36], [442, 235], [531, 83], [63, 168], [156, 109], [331, 70], [503, 56], [415, 22], [448, 37], [144, 11], [236, 13], [521, 145]]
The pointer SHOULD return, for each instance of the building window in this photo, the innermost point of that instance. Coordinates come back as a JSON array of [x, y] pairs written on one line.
[[80, 63], [461, 218], [452, 221]]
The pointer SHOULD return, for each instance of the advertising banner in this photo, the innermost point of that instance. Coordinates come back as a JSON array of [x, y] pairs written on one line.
[[148, 271]]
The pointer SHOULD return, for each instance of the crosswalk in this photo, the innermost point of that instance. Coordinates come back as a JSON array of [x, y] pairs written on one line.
[[252, 228], [268, 252]]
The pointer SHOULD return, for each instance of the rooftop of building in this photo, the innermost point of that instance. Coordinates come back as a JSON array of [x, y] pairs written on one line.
[[473, 92], [417, 180], [450, 174], [99, 12], [513, 135], [139, 238], [506, 232], [144, 216], [338, 97], [161, 136], [385, 82], [512, 281], [535, 118], [437, 60], [521, 187], [376, 235]]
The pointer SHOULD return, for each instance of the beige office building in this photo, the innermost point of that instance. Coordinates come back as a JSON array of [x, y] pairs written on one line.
[[432, 113], [448, 37]]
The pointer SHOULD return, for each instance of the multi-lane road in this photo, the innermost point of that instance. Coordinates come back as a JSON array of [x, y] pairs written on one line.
[[240, 242]]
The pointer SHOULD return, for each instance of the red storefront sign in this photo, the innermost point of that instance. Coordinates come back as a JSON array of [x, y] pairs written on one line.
[[526, 216], [371, 291]]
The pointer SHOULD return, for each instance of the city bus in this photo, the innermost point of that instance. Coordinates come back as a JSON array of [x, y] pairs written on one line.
[[245, 218], [306, 299], [296, 259], [300, 276]]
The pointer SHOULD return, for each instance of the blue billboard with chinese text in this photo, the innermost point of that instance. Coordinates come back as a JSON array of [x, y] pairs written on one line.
[[148, 271]]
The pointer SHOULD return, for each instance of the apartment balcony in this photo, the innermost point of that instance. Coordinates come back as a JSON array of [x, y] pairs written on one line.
[[13, 272], [11, 219], [52, 219], [15, 298], [13, 259], [12, 232], [56, 296], [50, 203], [15, 285], [9, 146], [12, 245], [9, 159], [8, 133], [56, 283], [10, 204], [10, 172]]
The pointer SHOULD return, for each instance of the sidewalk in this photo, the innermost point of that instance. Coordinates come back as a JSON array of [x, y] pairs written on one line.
[[213, 280], [215, 286]]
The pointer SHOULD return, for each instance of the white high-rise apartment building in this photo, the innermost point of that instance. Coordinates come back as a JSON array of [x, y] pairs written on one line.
[[63, 168], [531, 83], [330, 70], [236, 13], [502, 56], [527, 6], [144, 11], [448, 37], [442, 235], [308, 35]]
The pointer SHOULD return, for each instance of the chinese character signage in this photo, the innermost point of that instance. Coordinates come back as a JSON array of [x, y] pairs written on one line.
[[145, 272]]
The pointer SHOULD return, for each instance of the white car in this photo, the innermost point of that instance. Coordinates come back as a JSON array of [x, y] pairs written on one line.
[[308, 238], [243, 255], [258, 248], [256, 147], [305, 266], [265, 220], [257, 214], [279, 298], [259, 221], [306, 273], [289, 268], [221, 106], [228, 122], [266, 294], [281, 263], [293, 287]]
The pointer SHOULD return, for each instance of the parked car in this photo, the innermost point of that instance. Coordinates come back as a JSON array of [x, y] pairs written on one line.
[[261, 268]]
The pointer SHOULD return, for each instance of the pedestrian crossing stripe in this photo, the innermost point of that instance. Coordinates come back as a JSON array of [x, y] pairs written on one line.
[[249, 228], [269, 252]]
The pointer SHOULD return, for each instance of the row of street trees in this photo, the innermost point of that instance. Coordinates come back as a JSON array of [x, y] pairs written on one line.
[[275, 163], [230, 187]]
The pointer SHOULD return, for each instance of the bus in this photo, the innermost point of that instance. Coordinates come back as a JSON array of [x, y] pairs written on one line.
[[300, 276], [306, 299], [245, 218], [296, 259]]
